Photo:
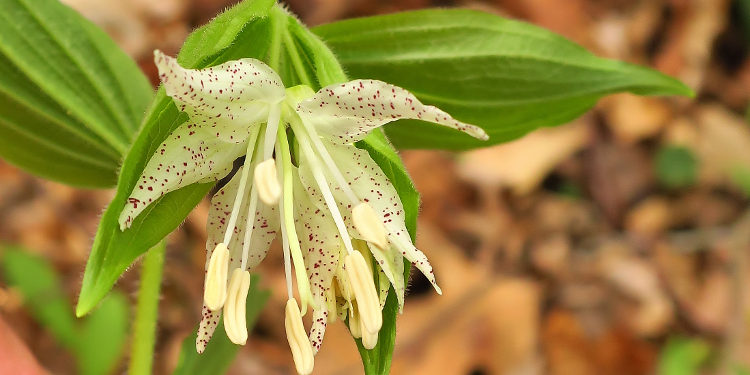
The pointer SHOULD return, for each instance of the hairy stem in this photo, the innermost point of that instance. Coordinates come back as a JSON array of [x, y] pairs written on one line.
[[144, 326]]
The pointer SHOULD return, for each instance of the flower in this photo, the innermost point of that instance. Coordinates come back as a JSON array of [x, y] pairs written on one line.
[[340, 218]]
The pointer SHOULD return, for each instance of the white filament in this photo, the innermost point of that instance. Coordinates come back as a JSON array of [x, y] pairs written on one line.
[[331, 165], [323, 185]]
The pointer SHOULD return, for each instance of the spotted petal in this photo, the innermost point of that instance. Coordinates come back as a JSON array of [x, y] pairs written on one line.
[[370, 185], [239, 90], [321, 247], [264, 230], [194, 152], [345, 113]]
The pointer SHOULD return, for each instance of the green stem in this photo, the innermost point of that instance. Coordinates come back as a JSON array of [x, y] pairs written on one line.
[[144, 326]]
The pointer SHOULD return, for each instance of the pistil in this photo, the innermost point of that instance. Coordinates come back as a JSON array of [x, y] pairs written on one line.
[[288, 231]]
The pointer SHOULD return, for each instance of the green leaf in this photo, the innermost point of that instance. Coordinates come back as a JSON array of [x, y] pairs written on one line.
[[682, 356], [102, 336], [220, 352], [97, 341], [41, 289], [70, 99], [676, 167], [506, 76], [232, 29], [114, 250]]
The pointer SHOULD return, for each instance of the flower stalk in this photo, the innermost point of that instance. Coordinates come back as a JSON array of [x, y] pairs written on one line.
[[146, 313]]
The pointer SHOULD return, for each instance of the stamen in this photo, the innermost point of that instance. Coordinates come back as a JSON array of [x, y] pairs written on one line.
[[250, 224], [369, 225], [272, 125], [215, 286], [355, 325], [302, 351], [369, 339], [331, 165], [240, 190], [361, 281], [343, 287], [322, 184], [330, 300], [234, 309], [267, 182]]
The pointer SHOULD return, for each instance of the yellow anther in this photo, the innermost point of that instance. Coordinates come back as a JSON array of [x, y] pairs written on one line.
[[302, 351], [355, 326], [215, 286], [330, 301], [368, 304], [234, 308], [369, 339], [267, 182], [369, 225]]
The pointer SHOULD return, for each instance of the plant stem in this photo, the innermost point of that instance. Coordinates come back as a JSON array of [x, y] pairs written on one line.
[[144, 326]]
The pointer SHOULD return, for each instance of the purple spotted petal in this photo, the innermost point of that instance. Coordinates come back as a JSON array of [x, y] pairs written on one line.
[[345, 113], [237, 91], [369, 183], [321, 247], [206, 328], [194, 152], [264, 227], [264, 231]]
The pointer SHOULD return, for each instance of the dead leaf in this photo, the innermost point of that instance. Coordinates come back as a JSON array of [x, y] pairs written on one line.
[[522, 164]]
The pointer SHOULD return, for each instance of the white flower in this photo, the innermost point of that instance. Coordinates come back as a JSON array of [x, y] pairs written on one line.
[[340, 218]]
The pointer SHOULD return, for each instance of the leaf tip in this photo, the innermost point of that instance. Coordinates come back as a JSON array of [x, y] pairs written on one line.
[[87, 300], [82, 308]]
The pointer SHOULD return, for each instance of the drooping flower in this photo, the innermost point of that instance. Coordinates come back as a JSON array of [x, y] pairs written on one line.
[[340, 219]]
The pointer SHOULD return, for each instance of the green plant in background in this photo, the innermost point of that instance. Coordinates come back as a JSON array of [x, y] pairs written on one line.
[[676, 166], [683, 356], [740, 176], [97, 341], [691, 356], [72, 107]]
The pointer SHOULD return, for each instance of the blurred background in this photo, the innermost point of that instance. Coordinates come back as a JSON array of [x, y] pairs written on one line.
[[616, 244]]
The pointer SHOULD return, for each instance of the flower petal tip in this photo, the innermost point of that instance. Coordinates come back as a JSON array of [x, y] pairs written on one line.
[[437, 289], [482, 136]]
